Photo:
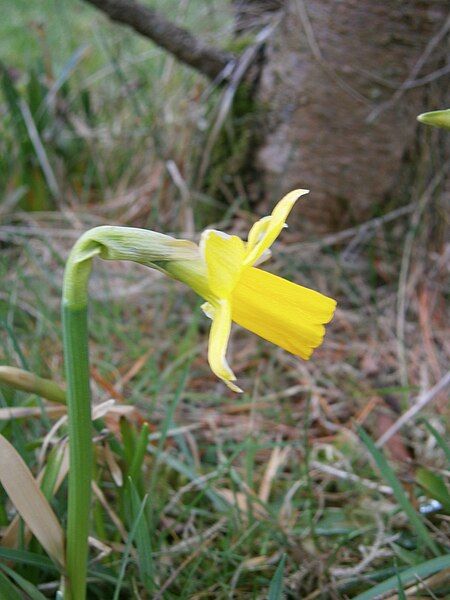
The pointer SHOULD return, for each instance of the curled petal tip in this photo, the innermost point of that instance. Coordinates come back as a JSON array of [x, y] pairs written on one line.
[[233, 387], [295, 194]]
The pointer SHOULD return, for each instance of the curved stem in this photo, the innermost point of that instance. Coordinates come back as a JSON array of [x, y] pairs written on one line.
[[177, 258], [76, 354]]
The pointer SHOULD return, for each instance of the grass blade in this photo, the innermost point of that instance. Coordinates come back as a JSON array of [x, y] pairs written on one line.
[[127, 550], [64, 75], [439, 439], [411, 575], [30, 502], [400, 590], [139, 453], [8, 590], [39, 149], [434, 486], [276, 585], [399, 493], [23, 557], [26, 586], [143, 541], [12, 99]]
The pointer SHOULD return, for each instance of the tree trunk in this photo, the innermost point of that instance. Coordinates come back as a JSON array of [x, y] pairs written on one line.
[[337, 82], [339, 85]]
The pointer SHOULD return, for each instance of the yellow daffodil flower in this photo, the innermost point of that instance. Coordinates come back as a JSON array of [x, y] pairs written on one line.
[[222, 270], [287, 314]]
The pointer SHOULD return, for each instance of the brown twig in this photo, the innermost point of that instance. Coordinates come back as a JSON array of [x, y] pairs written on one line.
[[208, 60], [415, 408], [413, 75]]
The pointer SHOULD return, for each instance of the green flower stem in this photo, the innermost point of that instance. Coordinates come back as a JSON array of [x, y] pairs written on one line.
[[176, 258], [75, 336], [80, 445]]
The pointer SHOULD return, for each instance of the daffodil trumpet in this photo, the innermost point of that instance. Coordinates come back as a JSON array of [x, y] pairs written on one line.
[[223, 270]]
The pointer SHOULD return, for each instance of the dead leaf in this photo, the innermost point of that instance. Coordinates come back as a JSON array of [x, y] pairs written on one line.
[[29, 501]]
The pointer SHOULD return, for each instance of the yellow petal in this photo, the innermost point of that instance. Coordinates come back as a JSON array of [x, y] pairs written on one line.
[[218, 341], [265, 231], [257, 231], [224, 255], [286, 314]]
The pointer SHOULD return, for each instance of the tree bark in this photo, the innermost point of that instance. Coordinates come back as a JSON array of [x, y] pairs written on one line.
[[208, 60], [341, 104]]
